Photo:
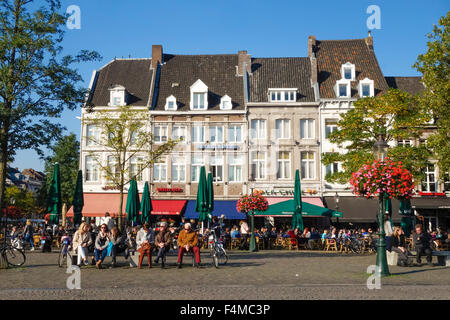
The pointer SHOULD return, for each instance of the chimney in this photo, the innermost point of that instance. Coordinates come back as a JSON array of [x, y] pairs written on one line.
[[311, 45], [157, 55], [369, 41], [243, 57]]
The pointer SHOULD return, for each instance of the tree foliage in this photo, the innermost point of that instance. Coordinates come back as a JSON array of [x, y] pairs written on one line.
[[125, 136], [397, 116], [66, 152], [24, 200], [435, 68], [36, 82]]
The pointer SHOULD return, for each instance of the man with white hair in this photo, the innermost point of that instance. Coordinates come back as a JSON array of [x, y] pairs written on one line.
[[162, 242], [187, 242]]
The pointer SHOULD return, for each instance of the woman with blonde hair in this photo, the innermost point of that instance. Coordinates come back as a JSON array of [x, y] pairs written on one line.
[[399, 246], [81, 241]]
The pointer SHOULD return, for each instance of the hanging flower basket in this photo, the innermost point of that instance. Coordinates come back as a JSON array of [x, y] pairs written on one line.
[[252, 202], [386, 177]]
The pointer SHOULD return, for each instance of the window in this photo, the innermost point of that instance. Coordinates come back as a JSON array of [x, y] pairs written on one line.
[[216, 167], [348, 71], [258, 165], [447, 181], [199, 96], [160, 133], [282, 127], [179, 132], [196, 163], [258, 129], [342, 88], [137, 168], [198, 134], [235, 163], [284, 165], [331, 168], [117, 95], [133, 138], [178, 169], [160, 170], [307, 128], [116, 101], [92, 135], [225, 103], [113, 168], [92, 169], [429, 183], [171, 103], [404, 143], [308, 165], [366, 88], [283, 95], [235, 133], [215, 134], [330, 127]]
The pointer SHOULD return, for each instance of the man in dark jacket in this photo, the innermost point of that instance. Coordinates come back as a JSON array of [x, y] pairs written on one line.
[[162, 243], [421, 241]]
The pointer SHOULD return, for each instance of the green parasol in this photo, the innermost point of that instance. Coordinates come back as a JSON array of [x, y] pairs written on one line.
[[297, 220], [406, 212], [201, 204], [132, 208], [210, 197], [54, 196], [78, 199], [146, 205]]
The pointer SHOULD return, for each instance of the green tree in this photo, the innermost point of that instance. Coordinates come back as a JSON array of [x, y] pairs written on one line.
[[24, 200], [66, 152], [128, 142], [435, 67], [397, 116], [36, 82]]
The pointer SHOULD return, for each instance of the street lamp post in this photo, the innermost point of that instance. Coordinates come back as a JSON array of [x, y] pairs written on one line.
[[380, 149], [336, 208], [252, 245]]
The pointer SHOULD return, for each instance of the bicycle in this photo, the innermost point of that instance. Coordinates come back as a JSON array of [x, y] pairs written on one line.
[[64, 253], [14, 257], [217, 251]]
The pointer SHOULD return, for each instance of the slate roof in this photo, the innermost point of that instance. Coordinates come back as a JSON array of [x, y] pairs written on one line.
[[134, 74], [412, 85], [332, 54], [280, 73], [218, 73]]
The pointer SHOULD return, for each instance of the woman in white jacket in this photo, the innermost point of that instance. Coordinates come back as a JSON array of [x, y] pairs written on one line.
[[81, 241]]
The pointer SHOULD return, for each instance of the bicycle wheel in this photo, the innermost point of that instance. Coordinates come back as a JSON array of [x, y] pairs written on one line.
[[222, 257], [14, 257], [214, 258], [62, 258]]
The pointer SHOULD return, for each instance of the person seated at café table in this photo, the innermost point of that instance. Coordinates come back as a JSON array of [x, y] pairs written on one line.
[[325, 235], [187, 242], [314, 237], [235, 233], [162, 243]]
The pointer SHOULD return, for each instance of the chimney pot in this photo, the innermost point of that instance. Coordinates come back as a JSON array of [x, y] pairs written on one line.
[[157, 55], [311, 45], [243, 57]]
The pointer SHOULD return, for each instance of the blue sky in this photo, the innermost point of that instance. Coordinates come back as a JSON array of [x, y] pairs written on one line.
[[270, 28]]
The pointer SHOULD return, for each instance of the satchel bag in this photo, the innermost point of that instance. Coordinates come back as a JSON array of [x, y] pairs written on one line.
[[145, 246]]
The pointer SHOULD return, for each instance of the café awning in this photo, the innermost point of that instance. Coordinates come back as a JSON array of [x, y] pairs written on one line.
[[286, 209], [226, 207], [96, 204]]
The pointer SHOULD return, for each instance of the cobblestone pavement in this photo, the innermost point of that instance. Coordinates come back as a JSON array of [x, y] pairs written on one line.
[[263, 275]]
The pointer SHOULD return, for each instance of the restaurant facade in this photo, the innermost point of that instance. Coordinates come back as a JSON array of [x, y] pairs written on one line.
[[250, 121]]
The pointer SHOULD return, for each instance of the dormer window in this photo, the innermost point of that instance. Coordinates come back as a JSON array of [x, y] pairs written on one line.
[[117, 96], [348, 71], [171, 103], [225, 103], [199, 96], [366, 88], [342, 88], [283, 95]]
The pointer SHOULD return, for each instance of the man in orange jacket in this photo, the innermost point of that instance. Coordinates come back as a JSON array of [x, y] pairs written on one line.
[[187, 242]]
